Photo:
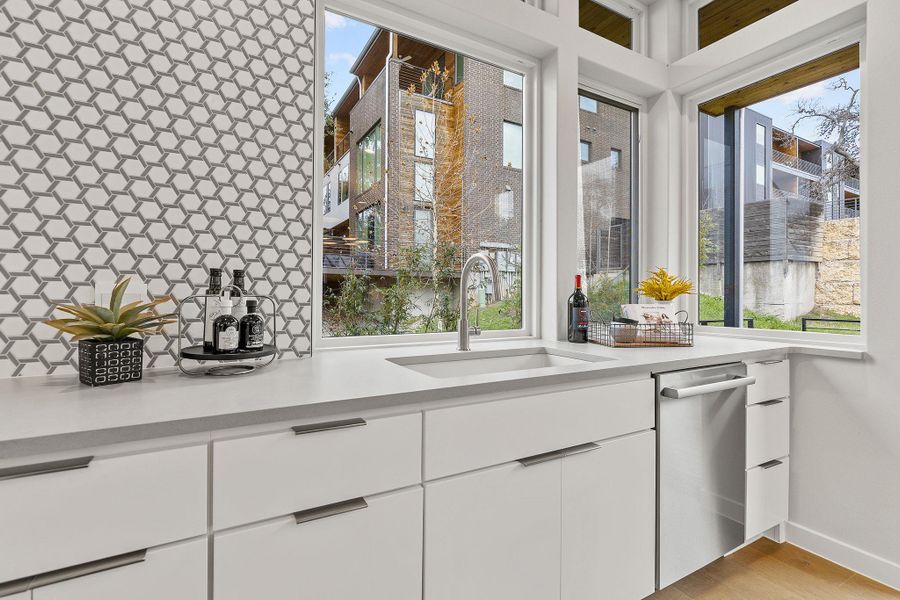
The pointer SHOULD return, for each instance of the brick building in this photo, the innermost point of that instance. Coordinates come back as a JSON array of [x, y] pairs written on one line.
[[418, 159]]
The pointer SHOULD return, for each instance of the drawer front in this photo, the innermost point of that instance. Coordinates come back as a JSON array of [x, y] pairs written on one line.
[[115, 505], [272, 475], [767, 496], [465, 438], [177, 572], [768, 431], [773, 381], [373, 553]]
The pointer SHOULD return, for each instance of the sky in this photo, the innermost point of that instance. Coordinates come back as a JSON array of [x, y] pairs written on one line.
[[780, 108], [344, 40]]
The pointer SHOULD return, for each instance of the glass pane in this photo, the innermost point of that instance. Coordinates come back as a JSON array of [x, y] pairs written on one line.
[[585, 151], [605, 22], [393, 251], [588, 104], [798, 190], [513, 80], [512, 145], [605, 202]]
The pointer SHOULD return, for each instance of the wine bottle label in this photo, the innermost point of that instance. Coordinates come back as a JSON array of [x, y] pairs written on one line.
[[255, 336], [228, 339], [214, 308], [580, 318]]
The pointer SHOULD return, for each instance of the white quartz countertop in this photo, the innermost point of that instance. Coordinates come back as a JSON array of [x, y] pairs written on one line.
[[56, 413]]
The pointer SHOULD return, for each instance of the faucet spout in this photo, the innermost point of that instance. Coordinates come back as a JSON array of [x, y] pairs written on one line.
[[463, 329]]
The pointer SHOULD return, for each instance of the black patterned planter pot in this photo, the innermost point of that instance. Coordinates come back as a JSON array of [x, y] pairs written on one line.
[[102, 362]]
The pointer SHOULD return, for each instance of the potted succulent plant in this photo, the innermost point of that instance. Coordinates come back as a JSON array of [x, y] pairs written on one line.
[[110, 346]]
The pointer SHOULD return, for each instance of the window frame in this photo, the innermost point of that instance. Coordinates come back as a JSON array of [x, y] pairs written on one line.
[[531, 256], [379, 158], [638, 109], [690, 185]]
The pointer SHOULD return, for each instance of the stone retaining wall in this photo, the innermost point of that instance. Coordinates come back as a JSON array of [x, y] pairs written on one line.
[[838, 283]]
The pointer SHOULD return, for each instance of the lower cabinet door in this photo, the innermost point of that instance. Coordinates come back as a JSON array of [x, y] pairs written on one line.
[[347, 551], [609, 520], [767, 496], [177, 572], [494, 534]]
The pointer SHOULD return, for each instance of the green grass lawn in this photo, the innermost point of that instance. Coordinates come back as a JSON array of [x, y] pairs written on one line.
[[713, 308]]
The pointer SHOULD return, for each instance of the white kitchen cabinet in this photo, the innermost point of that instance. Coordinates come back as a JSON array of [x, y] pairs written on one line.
[[773, 380], [19, 596], [63, 513], [768, 431], [494, 534], [371, 551], [609, 520], [177, 572], [266, 476], [767, 496]]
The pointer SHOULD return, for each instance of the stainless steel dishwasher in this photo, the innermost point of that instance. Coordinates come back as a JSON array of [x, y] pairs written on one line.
[[701, 429]]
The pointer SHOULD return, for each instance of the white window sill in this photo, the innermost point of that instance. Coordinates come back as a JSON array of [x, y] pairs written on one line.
[[816, 344]]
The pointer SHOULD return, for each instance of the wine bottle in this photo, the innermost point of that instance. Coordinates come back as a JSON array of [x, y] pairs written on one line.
[[252, 328], [579, 315], [211, 307], [240, 303], [225, 329]]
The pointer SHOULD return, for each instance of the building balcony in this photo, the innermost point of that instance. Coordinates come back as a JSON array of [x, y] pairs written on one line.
[[804, 166], [341, 254]]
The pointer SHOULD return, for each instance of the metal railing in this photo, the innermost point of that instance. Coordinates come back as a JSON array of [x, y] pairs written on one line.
[[342, 148], [786, 195], [423, 82], [796, 163], [852, 183], [748, 323], [346, 253], [853, 325]]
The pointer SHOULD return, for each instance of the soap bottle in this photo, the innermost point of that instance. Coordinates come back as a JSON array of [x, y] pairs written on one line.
[[252, 328], [211, 308], [240, 303], [225, 329]]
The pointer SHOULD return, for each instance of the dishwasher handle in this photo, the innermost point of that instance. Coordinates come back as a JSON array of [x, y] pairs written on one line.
[[707, 388]]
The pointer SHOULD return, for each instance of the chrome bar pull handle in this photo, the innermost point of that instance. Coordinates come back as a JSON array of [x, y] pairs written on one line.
[[771, 402], [330, 510], [55, 466], [530, 461], [707, 388], [328, 426], [582, 449], [58, 576], [770, 464]]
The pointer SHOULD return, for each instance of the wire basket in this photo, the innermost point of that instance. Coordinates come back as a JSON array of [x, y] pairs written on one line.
[[627, 335]]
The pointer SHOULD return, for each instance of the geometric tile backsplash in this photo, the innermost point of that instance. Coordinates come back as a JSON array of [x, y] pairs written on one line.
[[157, 138]]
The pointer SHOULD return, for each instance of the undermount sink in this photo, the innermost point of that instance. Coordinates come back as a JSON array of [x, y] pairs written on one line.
[[461, 364]]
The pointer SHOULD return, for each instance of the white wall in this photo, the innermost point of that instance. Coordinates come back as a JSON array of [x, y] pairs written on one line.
[[845, 450]]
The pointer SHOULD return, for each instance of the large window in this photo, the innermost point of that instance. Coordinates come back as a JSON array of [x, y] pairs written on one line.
[[779, 201], [369, 158], [512, 145], [606, 202], [437, 175]]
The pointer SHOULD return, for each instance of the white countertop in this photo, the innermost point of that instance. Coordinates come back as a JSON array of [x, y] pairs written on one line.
[[56, 413]]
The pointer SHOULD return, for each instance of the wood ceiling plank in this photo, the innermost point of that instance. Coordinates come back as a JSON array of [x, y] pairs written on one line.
[[605, 22], [825, 67], [721, 18]]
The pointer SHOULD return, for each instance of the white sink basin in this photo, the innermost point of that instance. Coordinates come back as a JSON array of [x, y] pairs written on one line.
[[462, 364]]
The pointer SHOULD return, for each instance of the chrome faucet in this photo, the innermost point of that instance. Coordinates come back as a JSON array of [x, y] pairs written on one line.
[[464, 331]]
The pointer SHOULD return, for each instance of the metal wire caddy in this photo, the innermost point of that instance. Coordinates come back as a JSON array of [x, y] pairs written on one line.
[[650, 335], [237, 363]]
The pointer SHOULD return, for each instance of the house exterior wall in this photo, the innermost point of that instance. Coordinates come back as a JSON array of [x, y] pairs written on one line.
[[606, 192], [367, 113]]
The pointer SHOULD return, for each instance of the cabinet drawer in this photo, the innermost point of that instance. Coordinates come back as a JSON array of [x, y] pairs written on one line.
[[768, 431], [767, 496], [373, 552], [267, 476], [773, 381], [54, 519], [177, 572], [465, 438]]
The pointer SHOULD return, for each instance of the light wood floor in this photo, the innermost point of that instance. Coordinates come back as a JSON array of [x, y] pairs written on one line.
[[766, 570]]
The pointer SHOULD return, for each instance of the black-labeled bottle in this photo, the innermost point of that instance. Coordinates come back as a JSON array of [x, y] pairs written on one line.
[[240, 304], [225, 329], [252, 328], [211, 308], [579, 314]]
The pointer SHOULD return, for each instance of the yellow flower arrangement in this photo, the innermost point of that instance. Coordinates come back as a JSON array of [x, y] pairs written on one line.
[[664, 287]]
